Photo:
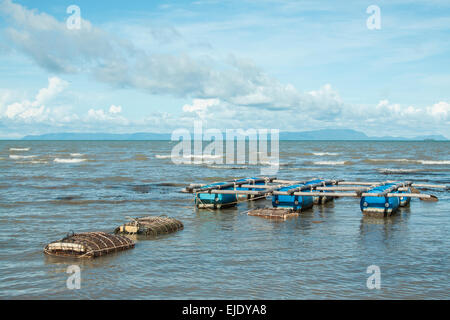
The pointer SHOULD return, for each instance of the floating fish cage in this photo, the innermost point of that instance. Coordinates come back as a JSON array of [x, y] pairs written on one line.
[[225, 194], [251, 181], [288, 196], [376, 198], [88, 245], [321, 199], [294, 202], [215, 200], [150, 226], [379, 204]]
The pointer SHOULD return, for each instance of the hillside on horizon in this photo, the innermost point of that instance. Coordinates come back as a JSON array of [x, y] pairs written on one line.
[[323, 134]]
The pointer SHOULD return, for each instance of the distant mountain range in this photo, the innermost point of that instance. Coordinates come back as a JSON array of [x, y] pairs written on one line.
[[325, 134], [348, 134], [99, 136]]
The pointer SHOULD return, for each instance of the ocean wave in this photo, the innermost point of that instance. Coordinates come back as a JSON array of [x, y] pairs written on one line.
[[227, 167], [306, 169], [203, 156], [434, 161], [60, 160], [415, 161], [191, 156], [394, 170], [34, 162], [160, 156], [390, 160], [332, 163], [325, 153], [15, 156], [275, 163], [76, 154], [19, 149]]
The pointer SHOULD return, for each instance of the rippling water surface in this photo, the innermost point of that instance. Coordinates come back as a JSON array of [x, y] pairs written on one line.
[[48, 188]]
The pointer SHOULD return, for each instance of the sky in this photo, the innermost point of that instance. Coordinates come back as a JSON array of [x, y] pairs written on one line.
[[157, 66]]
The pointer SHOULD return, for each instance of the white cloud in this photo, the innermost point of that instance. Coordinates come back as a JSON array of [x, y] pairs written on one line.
[[51, 44], [55, 86], [440, 110], [107, 117], [35, 110], [97, 114], [437, 112], [118, 62], [115, 109], [42, 111], [200, 106]]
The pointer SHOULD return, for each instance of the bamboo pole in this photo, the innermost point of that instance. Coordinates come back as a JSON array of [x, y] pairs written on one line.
[[251, 192], [291, 181], [353, 188], [229, 184], [305, 187], [355, 194], [343, 188], [422, 185], [418, 185], [360, 183], [399, 195], [261, 186], [327, 194]]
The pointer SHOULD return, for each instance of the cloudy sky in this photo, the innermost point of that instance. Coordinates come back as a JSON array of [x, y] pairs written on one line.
[[155, 66]]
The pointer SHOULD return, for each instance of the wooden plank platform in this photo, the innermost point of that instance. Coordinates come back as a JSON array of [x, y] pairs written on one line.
[[273, 213]]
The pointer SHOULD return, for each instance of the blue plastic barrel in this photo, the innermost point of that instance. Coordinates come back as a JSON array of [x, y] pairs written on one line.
[[215, 200], [380, 204], [294, 202]]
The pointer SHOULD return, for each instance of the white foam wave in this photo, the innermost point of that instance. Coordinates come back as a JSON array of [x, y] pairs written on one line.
[[426, 162], [325, 153], [399, 170], [38, 161], [59, 160], [159, 156], [33, 162], [392, 160], [270, 163], [15, 156], [191, 156], [329, 163], [19, 149], [434, 161], [227, 167], [76, 154], [204, 156], [274, 163]]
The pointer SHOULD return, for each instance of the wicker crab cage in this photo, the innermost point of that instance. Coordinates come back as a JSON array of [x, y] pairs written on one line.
[[150, 226], [88, 245]]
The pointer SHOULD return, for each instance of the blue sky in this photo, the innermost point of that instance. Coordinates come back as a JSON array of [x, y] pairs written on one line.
[[156, 66]]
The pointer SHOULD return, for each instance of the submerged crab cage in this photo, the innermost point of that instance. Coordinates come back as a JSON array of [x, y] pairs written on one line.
[[150, 226], [88, 245]]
